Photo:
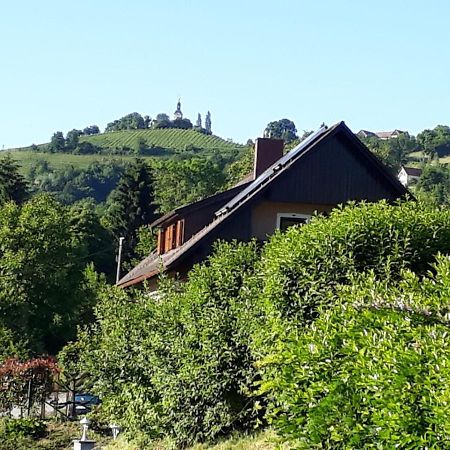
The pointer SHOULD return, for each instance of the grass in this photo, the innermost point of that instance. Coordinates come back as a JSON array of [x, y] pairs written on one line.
[[61, 160], [266, 440], [59, 436]]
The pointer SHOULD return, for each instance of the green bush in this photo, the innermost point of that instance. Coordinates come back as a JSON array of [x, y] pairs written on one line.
[[177, 365], [301, 268], [18, 428], [184, 364], [373, 371]]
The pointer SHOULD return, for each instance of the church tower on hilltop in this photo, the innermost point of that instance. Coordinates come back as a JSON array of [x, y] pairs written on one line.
[[178, 115]]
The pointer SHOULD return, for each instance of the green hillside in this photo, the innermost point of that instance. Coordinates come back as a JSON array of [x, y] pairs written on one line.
[[166, 138], [27, 158], [123, 145]]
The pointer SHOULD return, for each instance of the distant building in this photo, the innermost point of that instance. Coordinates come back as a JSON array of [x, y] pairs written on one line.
[[178, 115], [409, 175], [384, 135]]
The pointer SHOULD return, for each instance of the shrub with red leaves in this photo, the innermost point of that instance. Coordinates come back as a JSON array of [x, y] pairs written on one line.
[[25, 382]]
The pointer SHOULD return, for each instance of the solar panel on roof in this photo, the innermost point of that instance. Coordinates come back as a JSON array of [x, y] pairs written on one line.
[[273, 168]]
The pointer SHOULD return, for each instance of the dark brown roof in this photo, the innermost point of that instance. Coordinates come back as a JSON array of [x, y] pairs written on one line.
[[152, 264], [216, 198], [413, 171]]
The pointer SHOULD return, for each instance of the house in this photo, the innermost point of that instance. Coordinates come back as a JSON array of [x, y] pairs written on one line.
[[330, 167], [409, 175], [383, 135]]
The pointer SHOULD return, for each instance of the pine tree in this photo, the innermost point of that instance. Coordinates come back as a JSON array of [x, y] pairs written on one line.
[[131, 205], [208, 122], [198, 124], [13, 186]]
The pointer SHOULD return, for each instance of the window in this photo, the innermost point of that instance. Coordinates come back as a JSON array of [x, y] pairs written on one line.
[[170, 237], [286, 220]]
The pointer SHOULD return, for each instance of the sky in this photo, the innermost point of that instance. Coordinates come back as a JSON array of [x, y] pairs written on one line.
[[376, 65]]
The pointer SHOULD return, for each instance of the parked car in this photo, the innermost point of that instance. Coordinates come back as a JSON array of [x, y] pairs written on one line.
[[85, 402]]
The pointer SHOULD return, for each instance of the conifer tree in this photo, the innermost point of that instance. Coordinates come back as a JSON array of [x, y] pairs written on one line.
[[208, 122], [12, 184], [199, 121], [131, 205]]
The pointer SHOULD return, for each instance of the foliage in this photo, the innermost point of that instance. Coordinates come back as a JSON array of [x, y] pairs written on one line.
[[70, 184], [72, 139], [393, 152], [435, 141], [92, 129], [11, 429], [42, 291], [198, 122], [208, 123], [184, 364], [281, 129], [94, 237], [25, 383], [57, 142], [373, 371], [146, 242], [131, 205], [179, 367], [300, 267], [131, 121], [241, 168], [434, 185], [184, 124], [185, 181], [13, 186]]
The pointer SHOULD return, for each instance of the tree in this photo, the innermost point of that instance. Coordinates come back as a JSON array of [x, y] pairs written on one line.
[[435, 141], [185, 181], [42, 292], [198, 123], [131, 121], [130, 205], [72, 139], [281, 129], [184, 124], [208, 123], [97, 240], [57, 142], [92, 129], [392, 152], [147, 121], [12, 184], [161, 117]]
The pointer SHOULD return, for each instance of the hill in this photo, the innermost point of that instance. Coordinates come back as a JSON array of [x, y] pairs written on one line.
[[166, 138], [127, 144]]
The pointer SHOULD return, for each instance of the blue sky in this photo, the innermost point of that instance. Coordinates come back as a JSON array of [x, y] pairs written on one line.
[[377, 65]]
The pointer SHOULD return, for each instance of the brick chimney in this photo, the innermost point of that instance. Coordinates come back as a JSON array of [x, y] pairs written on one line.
[[267, 151]]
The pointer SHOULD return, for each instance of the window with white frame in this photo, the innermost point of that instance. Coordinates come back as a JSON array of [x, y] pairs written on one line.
[[286, 220]]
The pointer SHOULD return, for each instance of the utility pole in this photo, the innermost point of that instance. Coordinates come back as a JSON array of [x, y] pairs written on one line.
[[119, 258]]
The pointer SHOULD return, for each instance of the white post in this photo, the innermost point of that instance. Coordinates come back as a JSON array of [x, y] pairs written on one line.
[[119, 258]]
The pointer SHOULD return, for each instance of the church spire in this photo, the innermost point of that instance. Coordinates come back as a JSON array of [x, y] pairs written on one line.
[[177, 115]]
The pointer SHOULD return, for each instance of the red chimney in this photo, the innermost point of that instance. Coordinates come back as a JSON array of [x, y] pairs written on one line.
[[267, 151]]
